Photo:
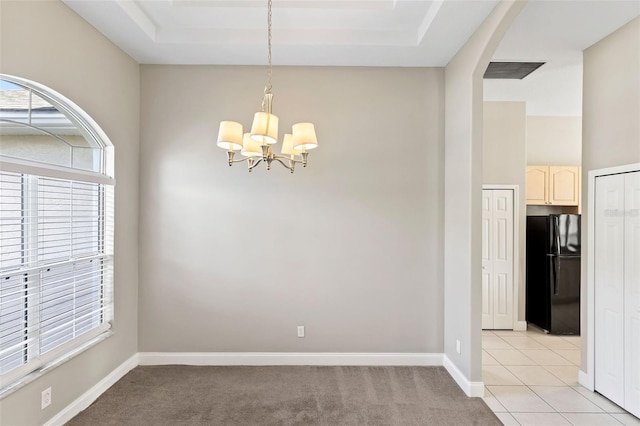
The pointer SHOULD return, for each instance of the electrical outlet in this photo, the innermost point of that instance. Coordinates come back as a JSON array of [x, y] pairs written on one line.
[[458, 346], [301, 331], [45, 400]]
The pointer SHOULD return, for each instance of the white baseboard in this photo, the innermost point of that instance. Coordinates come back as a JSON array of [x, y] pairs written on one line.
[[583, 379], [520, 326], [472, 389], [92, 394], [288, 358]]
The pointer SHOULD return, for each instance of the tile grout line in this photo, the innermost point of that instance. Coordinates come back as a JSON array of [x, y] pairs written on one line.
[[608, 414], [541, 341]]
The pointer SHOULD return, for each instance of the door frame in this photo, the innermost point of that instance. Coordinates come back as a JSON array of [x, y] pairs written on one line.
[[517, 325], [587, 378]]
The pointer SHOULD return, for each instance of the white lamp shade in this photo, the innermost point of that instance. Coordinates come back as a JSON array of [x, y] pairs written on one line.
[[250, 147], [265, 128], [287, 145], [304, 137], [230, 135]]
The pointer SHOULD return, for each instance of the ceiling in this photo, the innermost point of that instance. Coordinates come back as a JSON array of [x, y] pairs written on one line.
[[405, 33], [342, 32], [555, 32], [305, 32]]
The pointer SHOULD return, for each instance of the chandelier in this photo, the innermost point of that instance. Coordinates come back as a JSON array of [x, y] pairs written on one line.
[[257, 145]]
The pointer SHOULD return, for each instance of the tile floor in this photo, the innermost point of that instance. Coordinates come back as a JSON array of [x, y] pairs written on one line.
[[531, 378]]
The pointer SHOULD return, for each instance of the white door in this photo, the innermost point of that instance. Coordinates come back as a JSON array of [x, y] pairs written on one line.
[[497, 259], [632, 293], [609, 297], [487, 299]]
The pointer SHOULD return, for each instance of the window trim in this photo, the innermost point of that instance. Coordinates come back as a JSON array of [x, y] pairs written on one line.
[[69, 107], [30, 167], [20, 376], [35, 374]]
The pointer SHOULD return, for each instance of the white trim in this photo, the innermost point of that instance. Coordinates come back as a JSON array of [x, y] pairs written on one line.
[[289, 358], [87, 398], [472, 389], [520, 326], [587, 379], [18, 165], [516, 249], [65, 105], [583, 379], [14, 378], [19, 384]]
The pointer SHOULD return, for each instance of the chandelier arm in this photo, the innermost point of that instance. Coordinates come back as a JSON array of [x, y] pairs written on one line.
[[240, 160], [277, 158], [286, 157], [254, 163]]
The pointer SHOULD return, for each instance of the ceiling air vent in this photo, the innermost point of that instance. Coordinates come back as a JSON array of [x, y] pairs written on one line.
[[511, 70]]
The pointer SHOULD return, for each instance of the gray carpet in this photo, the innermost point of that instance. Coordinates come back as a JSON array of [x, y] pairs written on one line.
[[187, 395]]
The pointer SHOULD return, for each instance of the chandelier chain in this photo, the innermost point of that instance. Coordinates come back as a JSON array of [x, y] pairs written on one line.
[[268, 88]]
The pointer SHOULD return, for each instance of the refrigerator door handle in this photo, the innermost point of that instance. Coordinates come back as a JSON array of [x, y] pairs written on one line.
[[556, 233], [554, 267]]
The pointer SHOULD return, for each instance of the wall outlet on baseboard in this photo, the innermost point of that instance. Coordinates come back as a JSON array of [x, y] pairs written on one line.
[[458, 346], [301, 331], [45, 400]]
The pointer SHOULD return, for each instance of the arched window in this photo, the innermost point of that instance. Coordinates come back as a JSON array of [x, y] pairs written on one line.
[[56, 228]]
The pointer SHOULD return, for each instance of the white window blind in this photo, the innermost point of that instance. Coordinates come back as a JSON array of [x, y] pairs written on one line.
[[56, 262]]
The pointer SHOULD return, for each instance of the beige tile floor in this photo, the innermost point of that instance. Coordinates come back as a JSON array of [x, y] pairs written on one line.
[[531, 378]]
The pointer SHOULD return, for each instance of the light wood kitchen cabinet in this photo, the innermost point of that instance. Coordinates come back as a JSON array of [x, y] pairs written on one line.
[[537, 185], [553, 185]]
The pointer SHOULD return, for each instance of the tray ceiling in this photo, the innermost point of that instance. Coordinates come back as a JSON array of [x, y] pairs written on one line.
[[305, 32], [344, 32]]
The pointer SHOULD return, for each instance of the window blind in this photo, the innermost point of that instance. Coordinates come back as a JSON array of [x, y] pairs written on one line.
[[56, 268]]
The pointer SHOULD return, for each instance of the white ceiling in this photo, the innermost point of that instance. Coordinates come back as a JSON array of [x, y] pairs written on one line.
[[341, 32], [305, 32], [367, 33], [555, 32]]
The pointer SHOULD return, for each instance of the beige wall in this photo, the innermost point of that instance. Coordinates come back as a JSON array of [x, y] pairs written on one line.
[[556, 141], [611, 108], [503, 150], [611, 111], [504, 163], [350, 247], [48, 43], [463, 191]]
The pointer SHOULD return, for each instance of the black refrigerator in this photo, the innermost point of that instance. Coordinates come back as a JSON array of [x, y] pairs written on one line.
[[553, 273]]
